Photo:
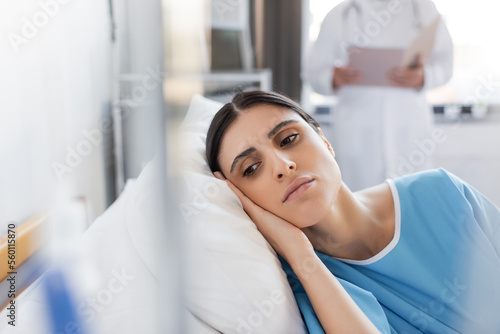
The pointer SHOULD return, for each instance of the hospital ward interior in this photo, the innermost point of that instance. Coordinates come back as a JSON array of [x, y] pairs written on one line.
[[112, 221]]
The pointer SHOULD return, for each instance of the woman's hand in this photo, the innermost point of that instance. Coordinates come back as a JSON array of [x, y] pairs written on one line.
[[286, 239], [337, 312], [335, 309]]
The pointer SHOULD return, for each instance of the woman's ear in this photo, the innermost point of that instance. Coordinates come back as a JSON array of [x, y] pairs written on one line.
[[326, 142]]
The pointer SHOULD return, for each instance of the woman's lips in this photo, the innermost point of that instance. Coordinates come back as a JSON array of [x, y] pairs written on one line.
[[297, 188]]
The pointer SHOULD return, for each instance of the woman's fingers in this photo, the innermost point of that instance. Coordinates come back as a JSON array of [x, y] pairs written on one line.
[[263, 219], [235, 190], [219, 176], [288, 240], [250, 207]]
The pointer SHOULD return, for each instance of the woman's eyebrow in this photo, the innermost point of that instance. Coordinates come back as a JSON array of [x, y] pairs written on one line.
[[279, 126], [270, 134], [243, 154]]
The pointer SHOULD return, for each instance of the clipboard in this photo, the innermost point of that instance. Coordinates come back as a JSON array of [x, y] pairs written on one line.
[[374, 64], [423, 44]]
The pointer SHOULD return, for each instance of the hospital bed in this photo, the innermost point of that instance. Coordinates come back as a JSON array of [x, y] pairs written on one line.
[[121, 298], [234, 281], [20, 264]]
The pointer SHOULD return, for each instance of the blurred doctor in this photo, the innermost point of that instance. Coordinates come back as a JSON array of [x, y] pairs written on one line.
[[379, 131]]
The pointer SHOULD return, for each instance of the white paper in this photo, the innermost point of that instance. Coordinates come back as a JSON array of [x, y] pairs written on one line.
[[374, 64]]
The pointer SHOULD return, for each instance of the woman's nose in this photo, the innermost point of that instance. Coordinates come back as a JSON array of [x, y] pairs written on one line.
[[284, 167]]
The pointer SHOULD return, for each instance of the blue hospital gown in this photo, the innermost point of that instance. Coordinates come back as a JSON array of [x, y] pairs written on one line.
[[441, 271]]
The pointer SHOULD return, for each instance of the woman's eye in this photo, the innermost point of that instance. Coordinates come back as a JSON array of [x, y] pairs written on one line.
[[250, 170], [288, 140]]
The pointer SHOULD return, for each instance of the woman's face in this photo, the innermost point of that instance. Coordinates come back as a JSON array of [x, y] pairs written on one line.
[[278, 161]]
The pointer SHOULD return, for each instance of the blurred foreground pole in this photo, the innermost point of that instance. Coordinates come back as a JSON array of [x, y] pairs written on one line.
[[142, 117]]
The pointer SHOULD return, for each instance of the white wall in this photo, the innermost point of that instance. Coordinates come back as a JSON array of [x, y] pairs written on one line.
[[55, 86], [471, 150]]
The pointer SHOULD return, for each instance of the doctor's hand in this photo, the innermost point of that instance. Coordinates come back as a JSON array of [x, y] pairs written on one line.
[[286, 239], [408, 77], [345, 75]]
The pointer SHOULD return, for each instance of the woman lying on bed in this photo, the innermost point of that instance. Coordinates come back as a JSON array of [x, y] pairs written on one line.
[[419, 253]]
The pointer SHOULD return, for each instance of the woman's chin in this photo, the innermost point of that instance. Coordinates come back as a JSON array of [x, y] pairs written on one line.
[[305, 221], [306, 224]]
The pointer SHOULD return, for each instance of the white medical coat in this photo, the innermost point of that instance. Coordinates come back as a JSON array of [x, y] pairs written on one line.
[[379, 132]]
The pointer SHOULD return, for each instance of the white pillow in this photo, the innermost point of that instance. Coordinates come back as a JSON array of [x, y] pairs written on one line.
[[235, 281]]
